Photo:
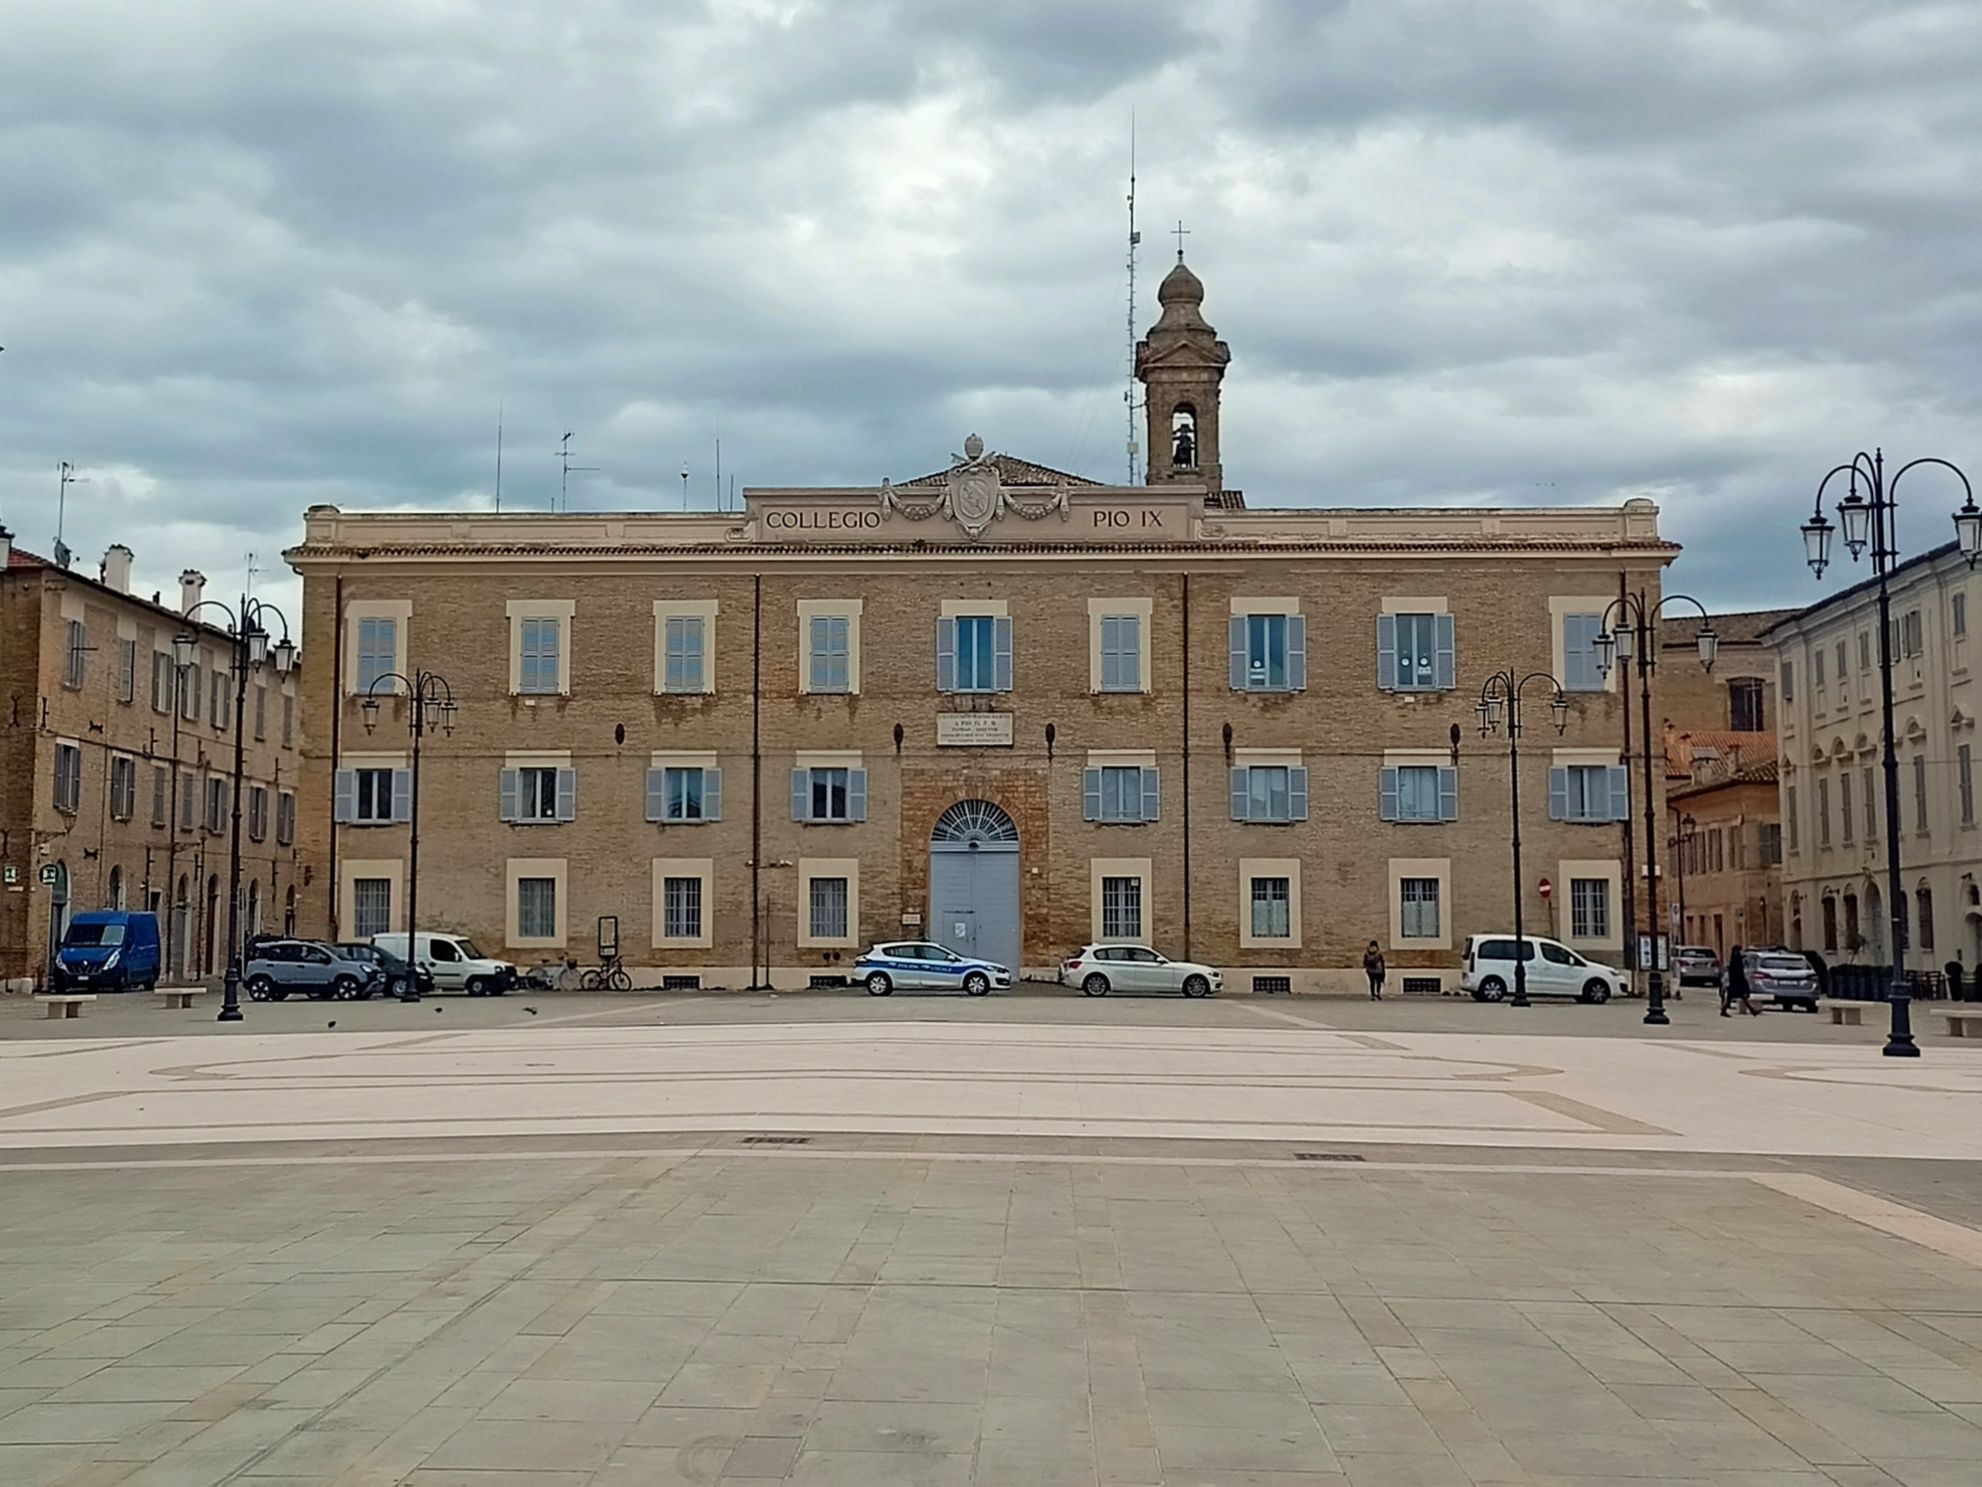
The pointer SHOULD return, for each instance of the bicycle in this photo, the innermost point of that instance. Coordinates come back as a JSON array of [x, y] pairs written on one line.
[[608, 977], [554, 975]]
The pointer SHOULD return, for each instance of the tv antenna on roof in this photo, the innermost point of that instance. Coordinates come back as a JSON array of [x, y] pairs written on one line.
[[1135, 241], [564, 478], [66, 477]]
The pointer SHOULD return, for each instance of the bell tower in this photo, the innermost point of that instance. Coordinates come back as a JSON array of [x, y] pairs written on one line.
[[1181, 363]]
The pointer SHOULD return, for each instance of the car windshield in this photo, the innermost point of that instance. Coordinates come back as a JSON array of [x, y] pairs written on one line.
[[469, 952], [94, 934]]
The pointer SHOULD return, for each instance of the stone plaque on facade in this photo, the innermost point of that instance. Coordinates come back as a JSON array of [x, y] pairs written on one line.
[[974, 730]]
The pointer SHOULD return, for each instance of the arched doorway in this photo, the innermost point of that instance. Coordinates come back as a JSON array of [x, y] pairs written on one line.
[[1875, 926], [116, 888], [974, 882], [208, 930]]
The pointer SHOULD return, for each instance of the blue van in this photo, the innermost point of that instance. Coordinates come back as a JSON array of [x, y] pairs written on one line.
[[108, 950]]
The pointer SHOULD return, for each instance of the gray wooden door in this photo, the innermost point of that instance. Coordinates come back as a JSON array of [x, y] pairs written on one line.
[[974, 883]]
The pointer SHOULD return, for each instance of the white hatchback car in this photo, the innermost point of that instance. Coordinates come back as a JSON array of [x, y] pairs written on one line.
[[1099, 969], [1553, 969]]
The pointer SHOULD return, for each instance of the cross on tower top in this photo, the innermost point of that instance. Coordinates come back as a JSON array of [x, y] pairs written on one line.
[[1180, 232]]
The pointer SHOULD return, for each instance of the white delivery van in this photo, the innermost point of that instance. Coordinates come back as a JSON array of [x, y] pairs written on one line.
[[454, 963]]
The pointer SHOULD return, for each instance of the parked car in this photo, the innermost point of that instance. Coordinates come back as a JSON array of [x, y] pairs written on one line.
[[1696, 965], [1553, 969], [913, 965], [1785, 977], [454, 963], [107, 950], [397, 972], [1100, 969], [320, 972]]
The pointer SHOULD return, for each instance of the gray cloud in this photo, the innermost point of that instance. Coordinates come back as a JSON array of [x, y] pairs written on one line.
[[253, 257]]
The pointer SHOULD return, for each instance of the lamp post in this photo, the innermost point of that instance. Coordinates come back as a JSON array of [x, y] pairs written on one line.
[[1500, 701], [251, 649], [1874, 521], [1636, 629], [431, 701], [1684, 830]]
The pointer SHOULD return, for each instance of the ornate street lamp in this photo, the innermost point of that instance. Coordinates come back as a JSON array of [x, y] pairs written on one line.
[[1502, 691], [430, 704]]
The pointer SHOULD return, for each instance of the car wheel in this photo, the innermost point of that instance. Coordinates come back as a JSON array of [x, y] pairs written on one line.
[[878, 984], [477, 986], [1491, 990], [344, 989], [1195, 986], [260, 989], [977, 984], [1095, 985], [1595, 992]]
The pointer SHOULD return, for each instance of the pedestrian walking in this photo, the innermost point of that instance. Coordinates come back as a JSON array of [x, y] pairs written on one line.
[[1734, 985], [1953, 971], [1373, 968]]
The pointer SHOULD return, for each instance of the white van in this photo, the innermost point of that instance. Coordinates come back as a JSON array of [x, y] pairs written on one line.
[[1553, 969], [454, 963]]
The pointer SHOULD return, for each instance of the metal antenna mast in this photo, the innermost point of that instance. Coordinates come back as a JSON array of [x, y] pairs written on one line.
[[1135, 241], [564, 477], [498, 491], [66, 476]]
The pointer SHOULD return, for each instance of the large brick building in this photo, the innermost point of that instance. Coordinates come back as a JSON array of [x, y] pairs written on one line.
[[97, 712], [998, 707]]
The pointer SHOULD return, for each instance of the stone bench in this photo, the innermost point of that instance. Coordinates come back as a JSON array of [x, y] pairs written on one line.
[[1964, 1024], [179, 998], [1846, 1014], [68, 1004]]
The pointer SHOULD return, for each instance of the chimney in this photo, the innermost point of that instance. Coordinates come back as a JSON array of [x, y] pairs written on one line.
[[192, 584], [116, 572], [6, 547]]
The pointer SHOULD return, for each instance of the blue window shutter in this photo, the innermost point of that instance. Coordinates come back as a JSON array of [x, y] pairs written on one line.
[[1090, 795], [657, 799], [1297, 793], [801, 795], [1620, 792], [946, 655], [1387, 795], [1448, 793], [1241, 793], [402, 795], [856, 795], [347, 795], [567, 794], [1238, 650], [1297, 652], [1001, 647], [1448, 652], [712, 795], [1386, 652], [1152, 793], [1558, 794], [509, 793]]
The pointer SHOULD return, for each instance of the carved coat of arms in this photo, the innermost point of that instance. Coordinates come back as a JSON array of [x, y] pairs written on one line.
[[973, 494]]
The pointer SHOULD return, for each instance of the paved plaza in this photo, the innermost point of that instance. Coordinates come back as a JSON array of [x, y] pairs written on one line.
[[1028, 1241]]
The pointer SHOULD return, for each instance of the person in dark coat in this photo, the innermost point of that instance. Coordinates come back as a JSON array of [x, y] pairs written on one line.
[[1373, 967], [1952, 970], [1734, 985]]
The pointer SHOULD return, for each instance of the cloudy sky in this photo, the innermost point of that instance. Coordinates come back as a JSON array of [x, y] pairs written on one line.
[[254, 256]]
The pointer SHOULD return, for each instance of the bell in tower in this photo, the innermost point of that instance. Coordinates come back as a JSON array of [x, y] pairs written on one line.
[[1181, 363]]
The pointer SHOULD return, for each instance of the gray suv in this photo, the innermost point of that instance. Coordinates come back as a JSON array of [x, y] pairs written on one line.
[[320, 972]]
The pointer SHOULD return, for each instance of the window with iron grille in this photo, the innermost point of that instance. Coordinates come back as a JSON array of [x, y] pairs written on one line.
[[1418, 917], [681, 908], [68, 778], [1589, 908], [1121, 908], [1272, 909], [1273, 985], [371, 907], [827, 909], [536, 908]]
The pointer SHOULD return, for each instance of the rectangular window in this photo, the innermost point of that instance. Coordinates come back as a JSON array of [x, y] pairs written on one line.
[[1744, 705], [1909, 633], [829, 648], [1964, 774], [68, 778], [1788, 681], [189, 800], [1589, 908], [190, 695], [1272, 903], [288, 721], [216, 805], [1958, 614], [378, 651], [829, 794], [1844, 806], [1419, 917], [1817, 667], [681, 908], [123, 788], [536, 794], [374, 796], [161, 791], [1269, 653], [976, 666], [1823, 813], [1768, 840], [261, 712], [1871, 807], [1919, 792], [682, 651], [1587, 793], [219, 712], [371, 907], [1418, 650], [1121, 908], [285, 817], [1272, 793], [1121, 653], [536, 908], [1789, 816], [1121, 793], [162, 676], [127, 670], [826, 909], [76, 662], [1580, 672], [1420, 793], [1864, 650], [682, 795], [538, 656], [257, 812]]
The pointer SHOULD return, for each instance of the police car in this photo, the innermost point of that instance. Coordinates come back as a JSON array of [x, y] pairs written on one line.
[[915, 966]]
